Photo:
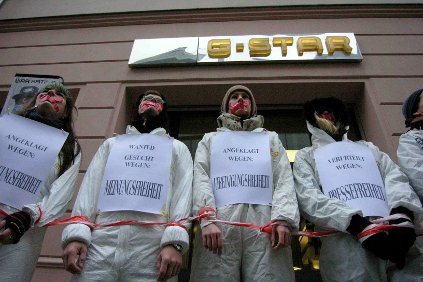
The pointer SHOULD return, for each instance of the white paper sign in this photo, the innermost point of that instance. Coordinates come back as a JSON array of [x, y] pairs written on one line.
[[28, 150], [241, 168], [137, 174], [348, 172]]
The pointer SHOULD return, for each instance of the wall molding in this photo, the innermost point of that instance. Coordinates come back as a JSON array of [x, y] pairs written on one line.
[[213, 15]]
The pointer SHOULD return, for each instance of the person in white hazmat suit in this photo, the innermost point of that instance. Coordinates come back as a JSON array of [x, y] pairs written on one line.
[[410, 158], [228, 253], [410, 148], [132, 253], [24, 231], [344, 257]]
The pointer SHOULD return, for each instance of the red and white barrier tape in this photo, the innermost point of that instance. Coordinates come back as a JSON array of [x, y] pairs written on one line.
[[209, 213]]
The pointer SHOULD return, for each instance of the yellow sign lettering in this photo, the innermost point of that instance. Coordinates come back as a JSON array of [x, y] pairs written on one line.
[[259, 47], [283, 42], [309, 44], [338, 43], [219, 48]]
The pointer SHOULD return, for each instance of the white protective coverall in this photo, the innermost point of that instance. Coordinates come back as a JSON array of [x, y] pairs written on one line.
[[18, 261], [410, 158], [245, 251], [128, 252], [342, 258]]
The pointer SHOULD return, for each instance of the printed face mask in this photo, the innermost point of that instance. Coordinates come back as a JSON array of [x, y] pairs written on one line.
[[151, 101]]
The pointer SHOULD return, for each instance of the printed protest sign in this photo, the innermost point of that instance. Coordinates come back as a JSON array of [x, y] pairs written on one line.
[[137, 174], [241, 168], [23, 89], [348, 172], [28, 150]]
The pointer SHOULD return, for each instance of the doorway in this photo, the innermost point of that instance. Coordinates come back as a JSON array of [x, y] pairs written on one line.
[[189, 126]]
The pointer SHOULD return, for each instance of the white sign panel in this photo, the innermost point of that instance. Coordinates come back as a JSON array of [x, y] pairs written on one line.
[[348, 172], [277, 48], [241, 168], [137, 174], [24, 88], [28, 150]]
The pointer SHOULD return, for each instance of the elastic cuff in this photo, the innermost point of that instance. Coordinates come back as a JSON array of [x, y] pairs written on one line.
[[357, 224], [76, 232], [33, 212], [175, 235], [39, 216]]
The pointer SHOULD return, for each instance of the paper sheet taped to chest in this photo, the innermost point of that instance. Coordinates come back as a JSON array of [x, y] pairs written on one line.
[[28, 151], [137, 174], [241, 168], [348, 172]]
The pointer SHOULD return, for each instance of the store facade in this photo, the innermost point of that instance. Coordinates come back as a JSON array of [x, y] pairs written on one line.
[[90, 48]]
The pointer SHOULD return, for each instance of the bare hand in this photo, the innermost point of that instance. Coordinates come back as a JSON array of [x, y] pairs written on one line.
[[5, 234], [281, 235], [74, 256], [212, 238], [168, 263]]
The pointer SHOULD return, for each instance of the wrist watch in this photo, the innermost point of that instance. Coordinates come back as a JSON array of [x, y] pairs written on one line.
[[177, 247]]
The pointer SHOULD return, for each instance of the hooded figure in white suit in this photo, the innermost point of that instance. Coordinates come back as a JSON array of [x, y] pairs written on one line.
[[344, 257], [228, 253], [128, 252]]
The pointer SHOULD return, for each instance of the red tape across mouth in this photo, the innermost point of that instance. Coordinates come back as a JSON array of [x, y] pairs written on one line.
[[146, 104], [54, 100], [243, 105]]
